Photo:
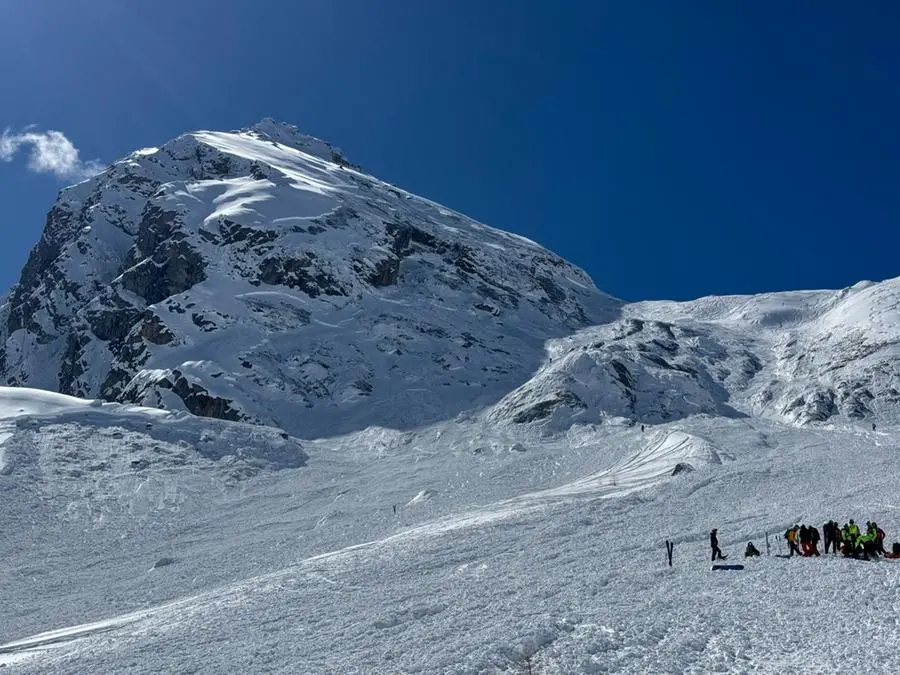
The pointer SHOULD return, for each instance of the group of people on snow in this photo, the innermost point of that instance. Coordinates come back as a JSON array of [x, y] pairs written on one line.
[[803, 540], [848, 540]]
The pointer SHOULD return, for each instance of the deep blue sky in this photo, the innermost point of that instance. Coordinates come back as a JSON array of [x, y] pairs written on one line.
[[672, 149]]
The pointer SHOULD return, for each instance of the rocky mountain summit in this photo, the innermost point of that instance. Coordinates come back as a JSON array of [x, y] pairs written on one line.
[[258, 275]]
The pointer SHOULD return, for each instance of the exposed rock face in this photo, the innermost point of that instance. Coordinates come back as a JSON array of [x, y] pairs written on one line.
[[257, 275]]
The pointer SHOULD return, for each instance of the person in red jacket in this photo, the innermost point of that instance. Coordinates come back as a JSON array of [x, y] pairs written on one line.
[[879, 539], [805, 540]]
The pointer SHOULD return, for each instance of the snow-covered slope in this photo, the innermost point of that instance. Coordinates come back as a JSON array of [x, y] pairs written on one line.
[[257, 275], [801, 357], [457, 548], [822, 354]]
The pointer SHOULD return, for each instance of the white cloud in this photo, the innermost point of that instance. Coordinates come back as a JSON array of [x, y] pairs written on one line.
[[48, 152]]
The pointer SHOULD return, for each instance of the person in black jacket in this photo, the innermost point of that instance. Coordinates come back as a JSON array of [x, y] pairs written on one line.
[[714, 545], [835, 537], [813, 540], [804, 540], [827, 535]]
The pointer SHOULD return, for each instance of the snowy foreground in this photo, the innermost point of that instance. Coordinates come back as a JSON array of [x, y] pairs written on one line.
[[140, 541]]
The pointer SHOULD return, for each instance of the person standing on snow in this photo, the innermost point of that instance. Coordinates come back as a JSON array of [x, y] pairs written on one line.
[[714, 545], [813, 541], [791, 536], [836, 533], [804, 540], [879, 539], [853, 529], [827, 535], [848, 546]]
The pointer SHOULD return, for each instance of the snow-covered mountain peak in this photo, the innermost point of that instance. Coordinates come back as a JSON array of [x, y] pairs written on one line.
[[255, 275], [287, 134]]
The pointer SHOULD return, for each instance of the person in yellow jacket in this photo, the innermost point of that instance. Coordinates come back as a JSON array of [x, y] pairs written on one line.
[[867, 544], [791, 536], [848, 543]]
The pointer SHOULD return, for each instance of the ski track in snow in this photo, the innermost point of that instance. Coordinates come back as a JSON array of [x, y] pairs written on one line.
[[630, 476]]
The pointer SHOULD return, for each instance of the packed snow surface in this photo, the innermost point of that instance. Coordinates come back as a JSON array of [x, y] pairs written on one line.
[[456, 548]]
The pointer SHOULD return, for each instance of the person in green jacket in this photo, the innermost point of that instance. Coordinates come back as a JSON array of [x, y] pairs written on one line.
[[848, 544], [867, 544], [854, 530]]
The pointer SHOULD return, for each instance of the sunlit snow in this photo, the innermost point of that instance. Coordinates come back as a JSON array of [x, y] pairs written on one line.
[[469, 467]]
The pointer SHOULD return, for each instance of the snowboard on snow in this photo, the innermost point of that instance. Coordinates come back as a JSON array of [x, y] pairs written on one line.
[[731, 566]]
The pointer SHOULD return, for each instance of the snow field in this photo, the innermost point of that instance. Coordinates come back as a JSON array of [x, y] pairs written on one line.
[[524, 550]]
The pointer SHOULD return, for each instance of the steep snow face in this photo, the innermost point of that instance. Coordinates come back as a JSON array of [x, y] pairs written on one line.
[[824, 354], [257, 275], [801, 357], [632, 370]]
